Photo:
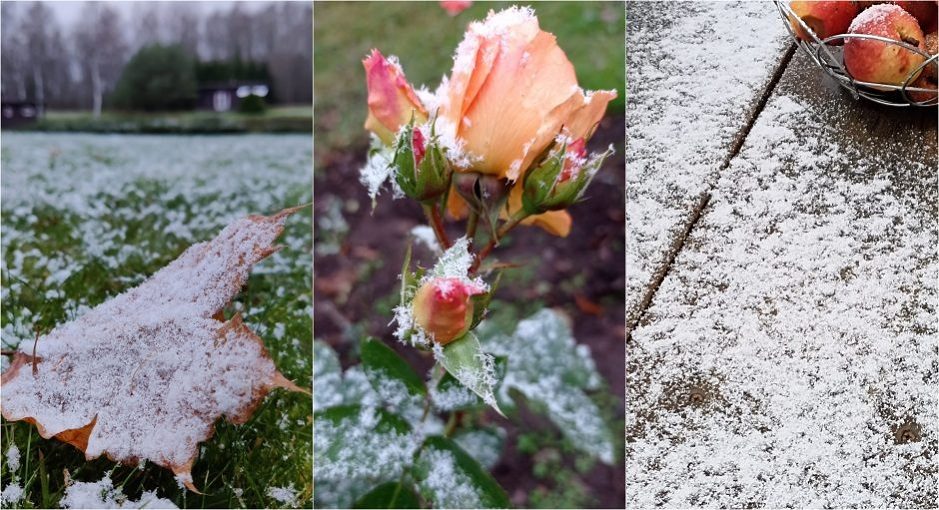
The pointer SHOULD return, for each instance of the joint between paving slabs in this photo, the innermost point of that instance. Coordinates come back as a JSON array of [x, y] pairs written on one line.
[[705, 197]]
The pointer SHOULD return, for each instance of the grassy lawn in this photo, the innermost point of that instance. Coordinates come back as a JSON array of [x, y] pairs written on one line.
[[424, 37], [86, 217], [293, 118]]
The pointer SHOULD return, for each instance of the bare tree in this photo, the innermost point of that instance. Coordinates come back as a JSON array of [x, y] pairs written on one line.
[[183, 26], [147, 20], [101, 47], [14, 61], [290, 62], [79, 69]]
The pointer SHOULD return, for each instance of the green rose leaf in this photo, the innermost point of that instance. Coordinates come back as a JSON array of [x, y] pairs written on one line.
[[485, 444], [556, 375], [357, 447], [451, 478], [389, 495], [465, 360], [388, 372]]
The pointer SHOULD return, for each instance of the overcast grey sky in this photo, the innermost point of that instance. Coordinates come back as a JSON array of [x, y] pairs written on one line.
[[68, 12]]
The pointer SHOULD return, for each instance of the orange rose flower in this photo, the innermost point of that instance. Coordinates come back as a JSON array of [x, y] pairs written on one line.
[[511, 91], [391, 99], [443, 307]]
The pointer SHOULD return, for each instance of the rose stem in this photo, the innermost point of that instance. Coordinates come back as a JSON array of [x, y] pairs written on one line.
[[503, 230], [471, 225], [433, 217]]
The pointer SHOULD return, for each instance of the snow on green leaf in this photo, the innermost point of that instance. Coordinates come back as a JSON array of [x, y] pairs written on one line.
[[451, 478], [356, 447], [451, 395], [327, 377], [484, 444], [548, 367], [380, 362], [465, 360]]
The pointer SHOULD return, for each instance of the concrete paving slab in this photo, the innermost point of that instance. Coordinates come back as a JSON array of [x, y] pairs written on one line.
[[695, 72], [791, 355]]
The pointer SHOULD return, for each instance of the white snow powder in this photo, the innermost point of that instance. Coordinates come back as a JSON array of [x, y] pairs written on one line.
[[13, 458], [285, 495]]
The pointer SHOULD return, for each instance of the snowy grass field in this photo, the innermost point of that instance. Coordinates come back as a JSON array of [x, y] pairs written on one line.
[[86, 217]]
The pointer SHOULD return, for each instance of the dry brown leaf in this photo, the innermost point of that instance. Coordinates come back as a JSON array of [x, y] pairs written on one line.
[[146, 374], [587, 306]]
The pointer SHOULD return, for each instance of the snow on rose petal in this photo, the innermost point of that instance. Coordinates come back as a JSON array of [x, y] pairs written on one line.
[[146, 374]]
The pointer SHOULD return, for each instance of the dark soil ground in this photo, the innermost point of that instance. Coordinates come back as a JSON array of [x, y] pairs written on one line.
[[583, 275]]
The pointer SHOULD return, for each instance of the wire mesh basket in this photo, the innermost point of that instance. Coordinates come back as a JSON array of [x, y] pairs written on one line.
[[828, 54]]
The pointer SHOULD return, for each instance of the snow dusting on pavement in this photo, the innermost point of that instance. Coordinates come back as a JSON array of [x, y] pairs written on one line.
[[695, 70], [789, 358]]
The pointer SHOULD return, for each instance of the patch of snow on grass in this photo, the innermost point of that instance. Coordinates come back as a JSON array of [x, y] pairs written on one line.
[[103, 494], [13, 458], [285, 495], [11, 494]]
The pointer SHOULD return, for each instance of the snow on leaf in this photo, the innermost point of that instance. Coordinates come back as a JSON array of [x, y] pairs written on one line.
[[146, 374], [484, 444], [451, 395], [355, 448], [465, 360], [327, 377], [451, 478], [546, 364], [103, 494], [394, 381], [445, 484]]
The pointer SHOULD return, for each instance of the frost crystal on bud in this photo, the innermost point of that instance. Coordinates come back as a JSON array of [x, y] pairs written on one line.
[[377, 168]]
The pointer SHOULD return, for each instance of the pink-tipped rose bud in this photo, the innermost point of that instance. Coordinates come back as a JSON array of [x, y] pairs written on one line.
[[418, 146], [392, 102], [574, 160], [443, 307], [561, 178], [454, 7]]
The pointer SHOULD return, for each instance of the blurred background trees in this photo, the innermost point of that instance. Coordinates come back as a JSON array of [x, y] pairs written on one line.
[[72, 56]]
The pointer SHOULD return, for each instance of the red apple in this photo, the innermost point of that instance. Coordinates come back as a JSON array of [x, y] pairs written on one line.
[[881, 62], [923, 82], [932, 47], [824, 18]]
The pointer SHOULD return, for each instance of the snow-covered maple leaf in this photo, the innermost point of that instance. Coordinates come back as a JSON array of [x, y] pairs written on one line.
[[146, 374]]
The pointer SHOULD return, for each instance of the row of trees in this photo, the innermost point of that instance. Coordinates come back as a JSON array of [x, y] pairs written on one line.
[[77, 65]]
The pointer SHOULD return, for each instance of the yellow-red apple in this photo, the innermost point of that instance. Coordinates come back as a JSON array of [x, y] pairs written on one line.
[[881, 62], [824, 18], [923, 82]]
